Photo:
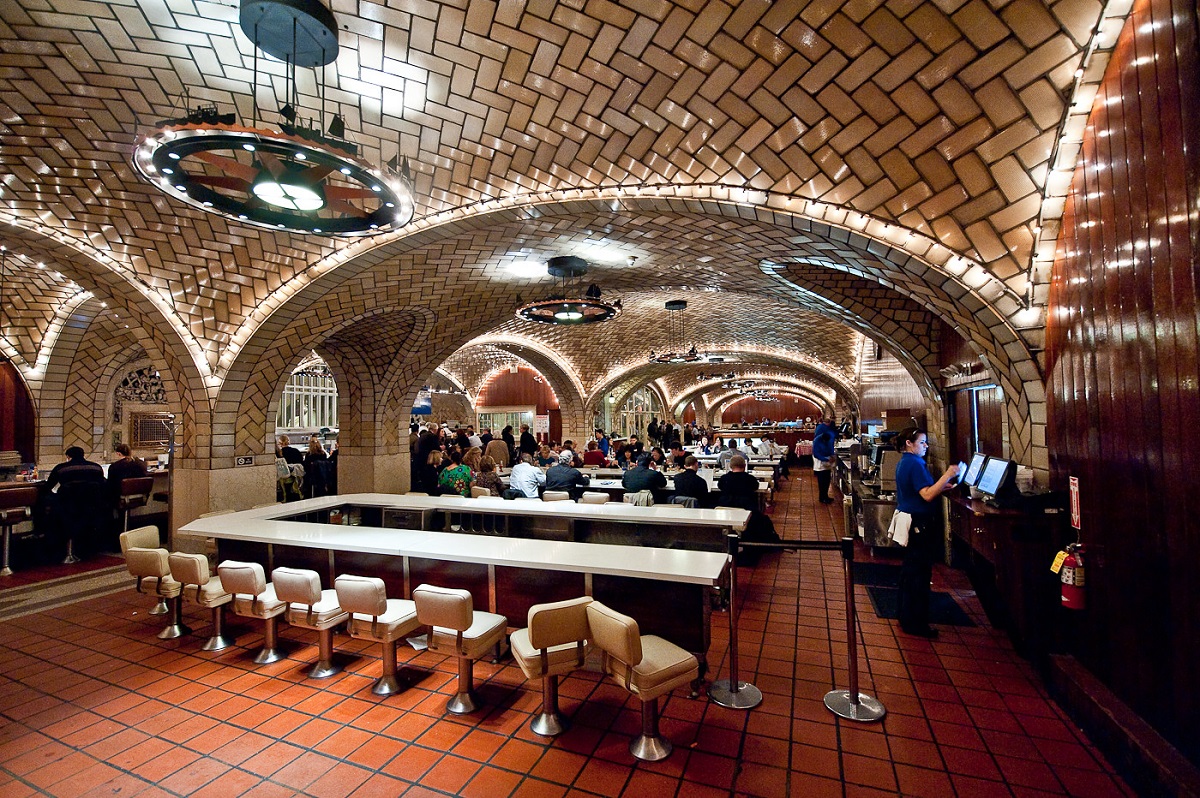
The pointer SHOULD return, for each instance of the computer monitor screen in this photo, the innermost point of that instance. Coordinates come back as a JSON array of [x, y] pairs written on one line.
[[973, 470], [877, 454], [992, 477]]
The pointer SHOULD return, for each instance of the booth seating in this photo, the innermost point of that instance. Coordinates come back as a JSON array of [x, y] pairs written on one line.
[[135, 492], [83, 511], [152, 570], [470, 633], [554, 643], [16, 506], [310, 607], [144, 537], [254, 597], [590, 497], [205, 590], [556, 496], [374, 616], [647, 666]]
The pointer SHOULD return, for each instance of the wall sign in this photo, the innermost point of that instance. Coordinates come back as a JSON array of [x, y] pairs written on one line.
[[1075, 515]]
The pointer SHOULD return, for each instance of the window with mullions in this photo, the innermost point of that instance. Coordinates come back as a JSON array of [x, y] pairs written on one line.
[[634, 416], [310, 400]]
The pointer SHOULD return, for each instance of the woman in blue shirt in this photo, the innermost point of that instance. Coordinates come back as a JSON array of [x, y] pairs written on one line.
[[916, 494]]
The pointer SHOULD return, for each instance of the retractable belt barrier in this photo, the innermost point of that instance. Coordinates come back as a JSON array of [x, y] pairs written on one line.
[[850, 703]]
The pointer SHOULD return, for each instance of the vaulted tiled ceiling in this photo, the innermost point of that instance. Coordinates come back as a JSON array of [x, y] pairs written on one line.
[[936, 116]]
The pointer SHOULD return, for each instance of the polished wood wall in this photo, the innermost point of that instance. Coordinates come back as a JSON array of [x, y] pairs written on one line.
[[1123, 374], [17, 422], [883, 384], [524, 388], [788, 408]]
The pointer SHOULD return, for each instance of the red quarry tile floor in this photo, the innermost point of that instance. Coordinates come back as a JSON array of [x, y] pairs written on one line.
[[93, 703]]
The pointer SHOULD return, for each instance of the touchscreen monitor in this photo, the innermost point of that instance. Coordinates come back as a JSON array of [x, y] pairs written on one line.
[[992, 476], [973, 470]]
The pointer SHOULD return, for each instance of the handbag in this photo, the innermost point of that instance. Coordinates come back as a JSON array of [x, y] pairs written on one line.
[[899, 527]]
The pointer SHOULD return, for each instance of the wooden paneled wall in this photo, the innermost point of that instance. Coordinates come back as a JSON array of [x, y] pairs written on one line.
[[884, 384], [17, 420], [1123, 377], [524, 388], [788, 408]]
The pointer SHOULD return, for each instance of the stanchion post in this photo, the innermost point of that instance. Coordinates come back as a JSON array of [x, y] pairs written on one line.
[[732, 692], [851, 704]]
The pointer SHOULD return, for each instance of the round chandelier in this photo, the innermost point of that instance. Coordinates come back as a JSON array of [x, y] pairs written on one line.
[[567, 304], [676, 337], [299, 177]]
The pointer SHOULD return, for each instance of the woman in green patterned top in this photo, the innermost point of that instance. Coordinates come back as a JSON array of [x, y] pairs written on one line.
[[456, 477]]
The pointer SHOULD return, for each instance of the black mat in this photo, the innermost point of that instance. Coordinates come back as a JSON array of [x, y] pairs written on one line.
[[943, 609], [881, 574]]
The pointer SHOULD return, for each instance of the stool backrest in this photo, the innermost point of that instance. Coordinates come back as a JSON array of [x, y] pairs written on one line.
[[137, 486], [190, 569], [616, 634], [144, 537], [147, 562], [242, 578], [18, 498], [476, 492], [297, 585], [365, 595], [444, 607], [594, 498], [556, 496], [558, 623]]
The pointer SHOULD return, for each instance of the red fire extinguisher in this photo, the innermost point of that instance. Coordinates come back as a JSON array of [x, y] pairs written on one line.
[[1072, 578]]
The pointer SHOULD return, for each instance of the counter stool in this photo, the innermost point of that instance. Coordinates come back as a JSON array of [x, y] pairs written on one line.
[[556, 496], [16, 506], [144, 537], [311, 607], [82, 508], [254, 597], [478, 492], [374, 616], [454, 624], [151, 569], [593, 497], [645, 666], [135, 492], [205, 590], [554, 643]]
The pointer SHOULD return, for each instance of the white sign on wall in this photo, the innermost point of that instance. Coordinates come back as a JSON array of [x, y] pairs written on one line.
[[541, 425]]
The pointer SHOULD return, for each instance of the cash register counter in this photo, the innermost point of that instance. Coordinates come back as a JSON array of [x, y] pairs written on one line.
[[668, 591]]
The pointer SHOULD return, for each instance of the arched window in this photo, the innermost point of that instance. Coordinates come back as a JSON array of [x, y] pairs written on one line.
[[310, 399], [635, 414]]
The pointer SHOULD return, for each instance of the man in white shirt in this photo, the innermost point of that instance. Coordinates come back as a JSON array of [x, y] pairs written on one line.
[[526, 477]]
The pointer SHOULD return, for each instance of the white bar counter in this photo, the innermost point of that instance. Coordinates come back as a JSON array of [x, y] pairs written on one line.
[[266, 525]]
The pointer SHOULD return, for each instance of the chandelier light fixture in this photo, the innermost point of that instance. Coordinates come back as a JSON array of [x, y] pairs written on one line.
[[677, 350], [569, 303], [301, 175], [701, 377]]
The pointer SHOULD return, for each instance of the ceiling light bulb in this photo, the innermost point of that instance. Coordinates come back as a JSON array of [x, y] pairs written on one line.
[[568, 313], [173, 155], [345, 170], [166, 170], [301, 156], [248, 147], [288, 195]]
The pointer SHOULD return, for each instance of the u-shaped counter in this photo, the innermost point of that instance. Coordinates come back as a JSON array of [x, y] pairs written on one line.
[[535, 552]]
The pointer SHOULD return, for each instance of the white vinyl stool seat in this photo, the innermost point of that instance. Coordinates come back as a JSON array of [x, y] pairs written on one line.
[[205, 590], [374, 616], [144, 537], [554, 643], [254, 597], [647, 666], [458, 628], [310, 607]]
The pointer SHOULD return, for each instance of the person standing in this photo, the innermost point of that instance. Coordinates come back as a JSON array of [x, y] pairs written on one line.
[[822, 455], [916, 494], [506, 435], [529, 444]]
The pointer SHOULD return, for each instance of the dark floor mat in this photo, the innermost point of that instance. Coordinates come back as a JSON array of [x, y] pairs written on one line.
[[943, 609], [881, 574]]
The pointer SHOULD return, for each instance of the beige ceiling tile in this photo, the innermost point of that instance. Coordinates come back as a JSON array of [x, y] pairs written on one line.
[[840, 104], [907, 200], [805, 39], [875, 195], [823, 72], [1030, 21], [862, 69], [899, 169], [980, 25], [854, 134], [1006, 141], [938, 174], [956, 102], [1056, 52], [985, 241], [1078, 17], [965, 139], [1012, 179], [915, 102], [973, 174], [991, 64], [903, 67], [846, 36], [927, 136], [888, 31], [1014, 217], [929, 24]]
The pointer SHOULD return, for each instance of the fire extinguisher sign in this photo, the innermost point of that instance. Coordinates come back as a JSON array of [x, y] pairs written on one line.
[[1075, 503]]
